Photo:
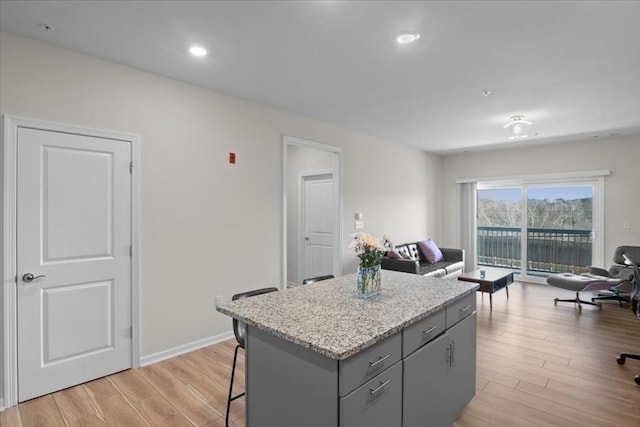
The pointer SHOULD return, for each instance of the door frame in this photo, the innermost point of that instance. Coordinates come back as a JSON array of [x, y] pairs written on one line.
[[8, 207], [302, 179], [337, 175]]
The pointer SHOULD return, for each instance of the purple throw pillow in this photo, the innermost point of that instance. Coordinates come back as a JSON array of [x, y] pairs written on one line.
[[430, 251], [394, 254]]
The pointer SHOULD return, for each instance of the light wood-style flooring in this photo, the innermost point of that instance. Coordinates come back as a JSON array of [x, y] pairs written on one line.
[[538, 365]]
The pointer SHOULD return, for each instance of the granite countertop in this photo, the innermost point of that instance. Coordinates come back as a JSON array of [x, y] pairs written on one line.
[[329, 318]]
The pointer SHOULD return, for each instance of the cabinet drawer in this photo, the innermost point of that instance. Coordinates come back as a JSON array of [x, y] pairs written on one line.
[[377, 403], [460, 309], [365, 365], [420, 333]]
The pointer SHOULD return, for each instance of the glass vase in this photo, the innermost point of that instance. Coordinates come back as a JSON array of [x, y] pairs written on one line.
[[368, 281]]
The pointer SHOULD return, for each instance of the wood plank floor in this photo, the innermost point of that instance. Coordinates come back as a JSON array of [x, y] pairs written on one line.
[[538, 365]]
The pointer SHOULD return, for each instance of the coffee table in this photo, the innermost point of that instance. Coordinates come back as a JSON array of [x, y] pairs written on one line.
[[494, 279]]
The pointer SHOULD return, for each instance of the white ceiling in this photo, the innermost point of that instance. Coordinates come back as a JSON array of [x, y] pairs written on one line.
[[571, 67]]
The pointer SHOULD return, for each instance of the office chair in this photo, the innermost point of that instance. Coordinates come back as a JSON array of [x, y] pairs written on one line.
[[239, 330], [316, 279], [618, 270], [635, 306]]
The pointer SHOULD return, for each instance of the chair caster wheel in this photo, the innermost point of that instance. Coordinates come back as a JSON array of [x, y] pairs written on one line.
[[620, 360], [555, 301], [599, 305], [579, 308], [637, 379]]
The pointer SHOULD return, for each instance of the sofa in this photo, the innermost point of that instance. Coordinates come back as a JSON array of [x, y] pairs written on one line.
[[413, 261]]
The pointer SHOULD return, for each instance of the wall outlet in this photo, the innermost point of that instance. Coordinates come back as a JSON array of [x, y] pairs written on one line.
[[219, 300]]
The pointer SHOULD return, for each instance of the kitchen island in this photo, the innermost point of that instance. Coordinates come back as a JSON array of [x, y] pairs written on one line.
[[316, 355]]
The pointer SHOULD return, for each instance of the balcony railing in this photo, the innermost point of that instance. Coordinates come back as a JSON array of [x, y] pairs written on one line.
[[548, 250]]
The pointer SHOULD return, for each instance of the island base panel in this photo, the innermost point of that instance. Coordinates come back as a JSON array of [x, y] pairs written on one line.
[[288, 385]]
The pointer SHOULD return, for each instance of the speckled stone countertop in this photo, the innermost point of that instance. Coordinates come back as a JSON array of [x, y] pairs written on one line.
[[329, 318]]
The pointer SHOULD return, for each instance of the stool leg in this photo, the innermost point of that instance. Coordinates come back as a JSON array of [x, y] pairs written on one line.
[[233, 372]]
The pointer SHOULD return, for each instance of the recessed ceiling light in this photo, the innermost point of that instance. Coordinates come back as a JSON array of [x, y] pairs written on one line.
[[45, 27], [197, 51], [405, 38]]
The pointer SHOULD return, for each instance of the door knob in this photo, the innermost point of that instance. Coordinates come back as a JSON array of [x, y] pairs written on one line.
[[30, 277], [307, 239]]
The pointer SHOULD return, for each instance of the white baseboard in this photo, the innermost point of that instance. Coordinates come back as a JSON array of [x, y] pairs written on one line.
[[2, 408], [185, 348]]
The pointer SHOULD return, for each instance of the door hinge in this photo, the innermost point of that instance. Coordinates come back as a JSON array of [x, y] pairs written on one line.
[[130, 167]]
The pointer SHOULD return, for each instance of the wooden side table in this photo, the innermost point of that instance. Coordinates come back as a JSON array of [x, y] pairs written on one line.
[[494, 279]]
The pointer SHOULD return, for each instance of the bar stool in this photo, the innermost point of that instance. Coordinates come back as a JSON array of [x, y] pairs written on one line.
[[239, 330]]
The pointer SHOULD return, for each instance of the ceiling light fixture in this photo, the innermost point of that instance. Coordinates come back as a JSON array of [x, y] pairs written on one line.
[[518, 128], [197, 51], [405, 38]]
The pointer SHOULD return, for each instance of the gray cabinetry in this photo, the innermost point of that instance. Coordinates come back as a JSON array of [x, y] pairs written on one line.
[[435, 397], [377, 403], [420, 333], [460, 382], [360, 368], [317, 356]]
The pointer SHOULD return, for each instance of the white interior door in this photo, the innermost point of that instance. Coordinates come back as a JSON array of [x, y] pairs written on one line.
[[74, 237], [318, 217]]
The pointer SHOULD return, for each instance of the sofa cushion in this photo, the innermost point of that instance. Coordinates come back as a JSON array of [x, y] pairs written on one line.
[[455, 267], [430, 251], [440, 272], [413, 250], [404, 251], [394, 254], [430, 269]]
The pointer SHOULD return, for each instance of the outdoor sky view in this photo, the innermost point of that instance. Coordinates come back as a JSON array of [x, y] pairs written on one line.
[[537, 193], [552, 207]]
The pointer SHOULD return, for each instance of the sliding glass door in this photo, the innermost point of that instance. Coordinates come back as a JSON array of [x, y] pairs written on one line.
[[499, 227], [538, 229], [559, 229]]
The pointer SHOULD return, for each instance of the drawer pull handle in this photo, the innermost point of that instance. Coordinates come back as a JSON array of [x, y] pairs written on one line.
[[428, 331], [465, 308], [380, 359], [380, 387]]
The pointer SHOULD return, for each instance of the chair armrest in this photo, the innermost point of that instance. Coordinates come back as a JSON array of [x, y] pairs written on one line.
[[599, 271], [621, 272], [404, 265], [452, 254]]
